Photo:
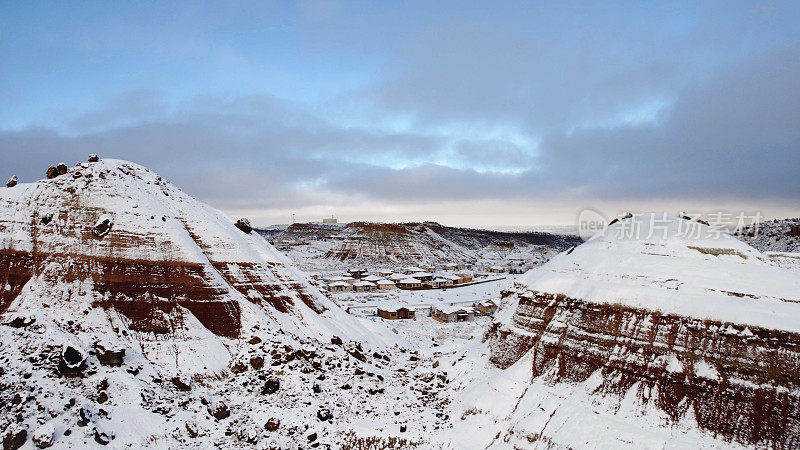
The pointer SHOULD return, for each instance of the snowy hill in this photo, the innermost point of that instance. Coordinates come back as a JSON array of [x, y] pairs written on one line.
[[673, 339], [325, 247], [133, 313]]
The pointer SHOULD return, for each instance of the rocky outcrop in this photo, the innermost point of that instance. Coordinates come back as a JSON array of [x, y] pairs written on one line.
[[244, 225], [782, 235], [738, 381], [12, 181]]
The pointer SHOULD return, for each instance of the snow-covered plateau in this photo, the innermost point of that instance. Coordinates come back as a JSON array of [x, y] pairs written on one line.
[[135, 316]]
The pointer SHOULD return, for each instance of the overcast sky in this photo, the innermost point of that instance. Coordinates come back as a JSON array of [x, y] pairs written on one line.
[[468, 113]]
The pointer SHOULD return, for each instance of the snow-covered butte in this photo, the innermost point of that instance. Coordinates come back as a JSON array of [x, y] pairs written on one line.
[[713, 276], [672, 339], [169, 266]]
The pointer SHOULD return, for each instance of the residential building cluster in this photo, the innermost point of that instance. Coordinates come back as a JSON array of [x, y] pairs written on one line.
[[412, 277]]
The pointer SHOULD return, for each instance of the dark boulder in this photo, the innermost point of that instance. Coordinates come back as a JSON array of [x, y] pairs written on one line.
[[191, 428], [14, 438], [219, 410], [324, 414], [12, 181], [109, 355], [44, 436], [61, 168], [336, 340], [103, 226], [72, 361], [101, 436], [257, 362], [272, 424], [52, 172], [180, 384], [238, 367], [357, 355], [21, 322], [271, 386], [244, 225], [94, 158]]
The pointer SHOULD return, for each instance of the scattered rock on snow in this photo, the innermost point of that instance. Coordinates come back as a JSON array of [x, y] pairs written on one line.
[[15, 437], [52, 172], [244, 225], [324, 414], [182, 385], [191, 428], [12, 181], [94, 158], [44, 435], [61, 168], [272, 424], [103, 226], [271, 386], [218, 409], [101, 436], [21, 322], [109, 355], [72, 361], [336, 340], [238, 367], [257, 362]]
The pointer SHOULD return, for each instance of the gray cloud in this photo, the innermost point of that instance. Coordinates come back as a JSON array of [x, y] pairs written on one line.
[[519, 103]]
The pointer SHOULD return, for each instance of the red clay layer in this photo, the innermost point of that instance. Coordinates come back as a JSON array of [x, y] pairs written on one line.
[[754, 400]]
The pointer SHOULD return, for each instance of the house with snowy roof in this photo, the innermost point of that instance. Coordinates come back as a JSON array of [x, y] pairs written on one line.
[[464, 278], [398, 277], [340, 286], [364, 286], [410, 283], [453, 313], [394, 311], [385, 285], [440, 282], [422, 276], [486, 308]]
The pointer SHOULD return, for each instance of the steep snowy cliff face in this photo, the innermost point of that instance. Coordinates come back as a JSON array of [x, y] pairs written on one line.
[[112, 246], [702, 333]]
